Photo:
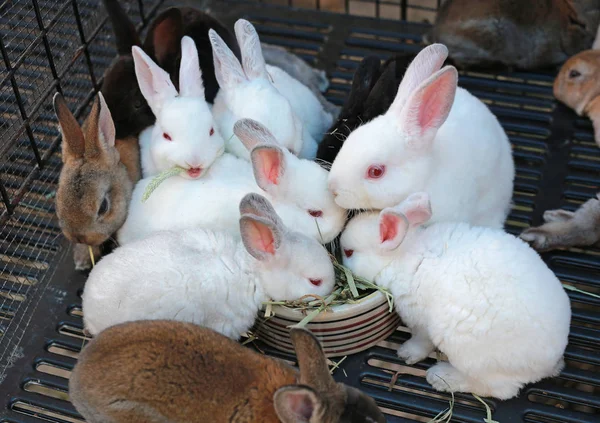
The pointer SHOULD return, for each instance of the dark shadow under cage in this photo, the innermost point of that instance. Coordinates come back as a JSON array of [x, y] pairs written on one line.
[[65, 45]]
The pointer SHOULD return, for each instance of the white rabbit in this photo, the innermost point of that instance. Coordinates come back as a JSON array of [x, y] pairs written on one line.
[[208, 277], [266, 94], [185, 133], [297, 187], [481, 296], [429, 140]]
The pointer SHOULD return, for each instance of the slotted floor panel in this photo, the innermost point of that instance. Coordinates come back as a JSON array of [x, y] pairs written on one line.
[[557, 162]]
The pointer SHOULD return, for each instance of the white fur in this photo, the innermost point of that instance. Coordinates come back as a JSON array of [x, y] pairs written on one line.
[[185, 116], [201, 276], [480, 295], [266, 94], [211, 201], [463, 161]]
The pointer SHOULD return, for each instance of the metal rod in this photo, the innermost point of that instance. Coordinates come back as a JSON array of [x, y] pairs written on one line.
[[86, 52], [403, 7]]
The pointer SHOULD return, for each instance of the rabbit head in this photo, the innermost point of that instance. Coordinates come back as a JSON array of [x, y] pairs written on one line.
[[370, 239], [248, 90], [184, 134], [94, 188], [576, 84], [290, 180], [386, 159], [292, 265]]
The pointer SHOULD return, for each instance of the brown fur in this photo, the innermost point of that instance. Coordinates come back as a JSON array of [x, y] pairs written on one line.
[[171, 371], [524, 34], [95, 167], [564, 229]]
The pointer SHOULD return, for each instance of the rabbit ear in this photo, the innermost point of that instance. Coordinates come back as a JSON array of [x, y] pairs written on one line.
[[428, 107], [190, 75], [393, 227], [260, 236], [296, 404], [73, 143], [416, 207], [163, 39], [314, 371], [100, 129], [252, 58], [155, 84], [228, 69], [428, 61], [252, 133], [268, 163], [257, 205], [126, 36]]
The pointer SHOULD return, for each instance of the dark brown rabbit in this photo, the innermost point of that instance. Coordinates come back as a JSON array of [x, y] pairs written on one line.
[[96, 180], [168, 371], [515, 33], [130, 110]]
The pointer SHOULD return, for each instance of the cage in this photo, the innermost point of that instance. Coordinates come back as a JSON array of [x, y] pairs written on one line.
[[65, 45]]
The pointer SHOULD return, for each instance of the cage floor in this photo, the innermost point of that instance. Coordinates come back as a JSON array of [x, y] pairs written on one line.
[[558, 165]]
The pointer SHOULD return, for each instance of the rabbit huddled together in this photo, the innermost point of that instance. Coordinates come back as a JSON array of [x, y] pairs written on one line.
[[266, 174]]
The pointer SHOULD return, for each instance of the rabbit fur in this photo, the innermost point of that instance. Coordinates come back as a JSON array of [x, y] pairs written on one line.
[[208, 277], [266, 94], [297, 187], [96, 179], [209, 378], [481, 296], [450, 146]]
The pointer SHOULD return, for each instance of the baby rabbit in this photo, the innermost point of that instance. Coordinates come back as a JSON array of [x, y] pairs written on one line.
[[96, 180], [527, 35], [207, 378], [577, 86], [454, 148], [481, 296], [184, 133], [208, 277], [564, 229], [266, 94], [123, 96], [297, 187]]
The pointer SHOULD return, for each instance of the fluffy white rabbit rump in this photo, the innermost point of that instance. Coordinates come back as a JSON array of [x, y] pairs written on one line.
[[207, 277], [480, 295], [436, 138], [297, 188], [266, 94], [185, 133]]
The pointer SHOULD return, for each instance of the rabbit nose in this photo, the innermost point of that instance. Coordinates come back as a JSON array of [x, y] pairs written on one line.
[[79, 239]]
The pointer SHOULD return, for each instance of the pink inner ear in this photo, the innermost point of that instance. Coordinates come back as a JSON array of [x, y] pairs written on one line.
[[301, 405], [388, 227], [270, 164], [261, 237]]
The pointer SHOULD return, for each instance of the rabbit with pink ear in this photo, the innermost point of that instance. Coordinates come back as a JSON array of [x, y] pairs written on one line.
[[185, 133], [435, 137], [267, 94], [481, 296]]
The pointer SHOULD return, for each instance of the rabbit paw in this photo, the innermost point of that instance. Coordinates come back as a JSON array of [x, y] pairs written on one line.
[[446, 378], [81, 256], [415, 350], [558, 215]]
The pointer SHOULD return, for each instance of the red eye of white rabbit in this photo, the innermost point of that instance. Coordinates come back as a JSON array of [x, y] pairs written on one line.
[[574, 73], [375, 171], [316, 282], [166, 136], [212, 131], [348, 253], [315, 213]]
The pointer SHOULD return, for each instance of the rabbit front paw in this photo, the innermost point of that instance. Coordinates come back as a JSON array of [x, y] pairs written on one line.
[[415, 350], [444, 377], [558, 215]]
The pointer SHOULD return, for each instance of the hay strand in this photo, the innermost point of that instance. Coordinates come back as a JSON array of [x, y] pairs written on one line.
[[488, 410], [159, 179], [92, 255]]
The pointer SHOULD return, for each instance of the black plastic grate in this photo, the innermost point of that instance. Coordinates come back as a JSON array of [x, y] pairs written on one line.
[[557, 164]]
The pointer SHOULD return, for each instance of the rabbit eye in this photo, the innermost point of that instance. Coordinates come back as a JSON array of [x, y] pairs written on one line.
[[375, 171], [103, 207], [212, 131], [167, 136], [348, 253], [574, 73], [137, 104], [315, 213], [316, 282]]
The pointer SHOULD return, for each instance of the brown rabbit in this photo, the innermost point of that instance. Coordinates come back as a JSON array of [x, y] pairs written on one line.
[[524, 34], [564, 229], [96, 180], [577, 86], [168, 371]]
